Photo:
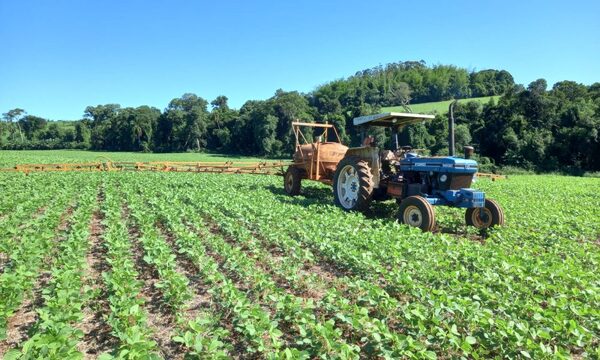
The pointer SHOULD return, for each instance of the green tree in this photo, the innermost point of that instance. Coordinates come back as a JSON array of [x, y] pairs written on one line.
[[220, 125], [101, 113], [53, 132], [490, 82], [82, 133], [287, 107], [104, 133], [30, 125], [184, 124], [577, 139], [265, 136], [135, 128], [12, 117]]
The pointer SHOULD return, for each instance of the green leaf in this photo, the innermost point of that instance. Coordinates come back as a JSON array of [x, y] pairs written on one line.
[[471, 340], [525, 353], [12, 354]]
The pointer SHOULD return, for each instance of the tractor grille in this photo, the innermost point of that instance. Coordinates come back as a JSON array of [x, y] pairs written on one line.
[[461, 181], [478, 199]]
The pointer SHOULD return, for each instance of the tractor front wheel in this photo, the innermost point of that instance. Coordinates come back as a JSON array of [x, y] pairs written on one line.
[[491, 214], [353, 184], [292, 181], [417, 211]]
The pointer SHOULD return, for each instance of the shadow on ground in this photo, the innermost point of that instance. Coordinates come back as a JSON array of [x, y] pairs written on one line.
[[386, 211]]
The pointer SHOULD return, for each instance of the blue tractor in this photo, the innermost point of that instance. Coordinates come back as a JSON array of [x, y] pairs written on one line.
[[417, 183]]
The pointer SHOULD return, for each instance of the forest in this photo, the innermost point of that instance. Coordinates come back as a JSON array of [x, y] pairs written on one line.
[[534, 127]]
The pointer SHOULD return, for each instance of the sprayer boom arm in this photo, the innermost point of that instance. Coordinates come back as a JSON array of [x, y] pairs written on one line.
[[235, 167]]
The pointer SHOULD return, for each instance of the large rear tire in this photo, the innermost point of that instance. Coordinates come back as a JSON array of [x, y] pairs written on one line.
[[491, 214], [292, 181], [353, 184], [417, 211]]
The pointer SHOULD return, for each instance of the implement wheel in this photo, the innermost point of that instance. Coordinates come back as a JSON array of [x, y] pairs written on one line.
[[491, 214], [353, 184], [292, 180], [417, 211]]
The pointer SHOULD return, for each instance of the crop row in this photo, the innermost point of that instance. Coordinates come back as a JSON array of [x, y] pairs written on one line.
[[56, 334], [259, 331], [31, 254], [158, 254], [127, 318]]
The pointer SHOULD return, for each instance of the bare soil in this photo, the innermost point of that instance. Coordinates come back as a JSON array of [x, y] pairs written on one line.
[[24, 319], [97, 333], [4, 259]]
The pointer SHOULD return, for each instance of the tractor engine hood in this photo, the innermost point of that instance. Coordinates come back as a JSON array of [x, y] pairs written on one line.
[[443, 164]]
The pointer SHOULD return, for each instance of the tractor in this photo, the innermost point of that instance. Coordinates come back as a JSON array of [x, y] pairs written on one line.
[[362, 174]]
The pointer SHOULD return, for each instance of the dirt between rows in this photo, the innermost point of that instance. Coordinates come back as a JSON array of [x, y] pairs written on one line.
[[328, 275], [202, 300], [23, 320], [4, 259], [97, 337], [161, 319]]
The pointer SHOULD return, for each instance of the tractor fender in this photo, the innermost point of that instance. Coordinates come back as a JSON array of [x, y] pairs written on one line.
[[370, 154]]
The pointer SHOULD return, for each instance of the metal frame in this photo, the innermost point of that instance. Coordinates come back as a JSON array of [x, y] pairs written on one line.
[[238, 167], [313, 172]]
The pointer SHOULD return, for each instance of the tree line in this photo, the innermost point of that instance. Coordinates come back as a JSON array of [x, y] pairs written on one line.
[[530, 127], [533, 128]]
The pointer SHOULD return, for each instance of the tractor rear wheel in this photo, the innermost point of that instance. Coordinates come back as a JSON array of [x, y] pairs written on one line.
[[491, 214], [292, 181], [417, 211], [353, 184]]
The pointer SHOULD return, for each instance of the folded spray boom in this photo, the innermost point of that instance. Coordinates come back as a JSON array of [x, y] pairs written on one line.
[[234, 167]]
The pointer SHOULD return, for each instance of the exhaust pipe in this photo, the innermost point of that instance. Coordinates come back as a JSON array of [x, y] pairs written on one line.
[[468, 151], [451, 147]]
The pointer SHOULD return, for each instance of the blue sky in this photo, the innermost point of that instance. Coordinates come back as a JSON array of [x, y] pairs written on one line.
[[57, 57]]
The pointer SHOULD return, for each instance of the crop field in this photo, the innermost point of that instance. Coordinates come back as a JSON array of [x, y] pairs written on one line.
[[440, 107], [172, 265], [10, 158]]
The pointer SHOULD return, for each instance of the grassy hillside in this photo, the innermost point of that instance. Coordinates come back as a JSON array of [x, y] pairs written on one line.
[[440, 107]]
